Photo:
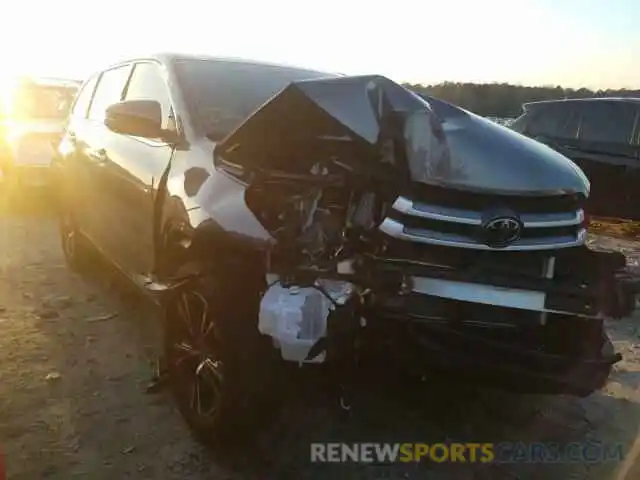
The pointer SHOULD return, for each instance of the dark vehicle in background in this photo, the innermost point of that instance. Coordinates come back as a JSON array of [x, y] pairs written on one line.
[[281, 214], [32, 127], [602, 136]]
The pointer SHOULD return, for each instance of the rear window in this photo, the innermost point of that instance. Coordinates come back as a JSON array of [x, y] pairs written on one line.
[[520, 123], [220, 95], [608, 122]]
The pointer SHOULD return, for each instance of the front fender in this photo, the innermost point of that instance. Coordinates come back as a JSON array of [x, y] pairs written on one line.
[[212, 225], [221, 201]]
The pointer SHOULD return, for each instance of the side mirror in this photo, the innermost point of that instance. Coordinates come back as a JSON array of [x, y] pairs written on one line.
[[139, 118]]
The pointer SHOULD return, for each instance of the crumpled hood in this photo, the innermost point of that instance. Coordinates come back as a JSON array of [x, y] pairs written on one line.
[[361, 121], [488, 156], [375, 125]]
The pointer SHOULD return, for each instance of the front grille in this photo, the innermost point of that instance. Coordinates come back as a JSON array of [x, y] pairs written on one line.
[[448, 197], [456, 220]]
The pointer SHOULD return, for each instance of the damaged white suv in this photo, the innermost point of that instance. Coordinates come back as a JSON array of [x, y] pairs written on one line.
[[280, 214]]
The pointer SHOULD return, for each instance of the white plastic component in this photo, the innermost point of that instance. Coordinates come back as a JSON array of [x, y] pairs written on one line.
[[296, 318], [345, 267]]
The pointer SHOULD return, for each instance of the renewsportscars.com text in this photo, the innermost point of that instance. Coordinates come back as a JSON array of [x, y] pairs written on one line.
[[468, 452]]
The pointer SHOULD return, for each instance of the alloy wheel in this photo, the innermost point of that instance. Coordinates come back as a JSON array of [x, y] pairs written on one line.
[[69, 236], [193, 356]]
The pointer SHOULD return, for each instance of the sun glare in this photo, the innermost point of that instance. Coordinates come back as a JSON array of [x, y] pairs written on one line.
[[7, 93]]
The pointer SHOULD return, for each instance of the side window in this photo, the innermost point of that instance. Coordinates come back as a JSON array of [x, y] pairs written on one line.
[[109, 91], [84, 98], [610, 122], [147, 83], [571, 123], [550, 121]]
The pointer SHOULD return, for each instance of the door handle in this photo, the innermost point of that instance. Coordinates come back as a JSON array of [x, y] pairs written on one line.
[[99, 156], [68, 142], [71, 138]]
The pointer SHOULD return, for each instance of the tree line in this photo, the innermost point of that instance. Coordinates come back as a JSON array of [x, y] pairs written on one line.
[[504, 99]]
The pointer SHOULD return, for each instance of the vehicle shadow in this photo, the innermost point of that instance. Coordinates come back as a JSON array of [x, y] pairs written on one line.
[[388, 407], [440, 410], [385, 407]]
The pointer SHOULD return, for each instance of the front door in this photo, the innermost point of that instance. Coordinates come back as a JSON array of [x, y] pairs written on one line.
[[99, 217], [131, 175]]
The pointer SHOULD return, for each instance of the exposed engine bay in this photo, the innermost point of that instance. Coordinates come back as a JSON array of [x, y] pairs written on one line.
[[321, 234], [331, 253]]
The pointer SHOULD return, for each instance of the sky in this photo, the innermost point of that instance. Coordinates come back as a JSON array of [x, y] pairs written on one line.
[[573, 43]]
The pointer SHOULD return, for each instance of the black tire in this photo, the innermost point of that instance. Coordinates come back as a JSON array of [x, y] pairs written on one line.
[[75, 247], [221, 370]]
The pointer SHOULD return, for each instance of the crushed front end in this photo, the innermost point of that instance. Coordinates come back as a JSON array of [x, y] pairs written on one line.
[[396, 239]]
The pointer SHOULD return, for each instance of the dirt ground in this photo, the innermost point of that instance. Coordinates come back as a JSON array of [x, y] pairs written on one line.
[[76, 355]]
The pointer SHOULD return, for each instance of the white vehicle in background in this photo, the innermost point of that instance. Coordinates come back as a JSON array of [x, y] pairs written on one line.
[[32, 124]]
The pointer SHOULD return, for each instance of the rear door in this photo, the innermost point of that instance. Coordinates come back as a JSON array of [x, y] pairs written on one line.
[[608, 157], [101, 220], [132, 172]]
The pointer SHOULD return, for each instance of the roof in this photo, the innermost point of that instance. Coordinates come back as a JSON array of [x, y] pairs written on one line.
[[591, 99], [169, 57]]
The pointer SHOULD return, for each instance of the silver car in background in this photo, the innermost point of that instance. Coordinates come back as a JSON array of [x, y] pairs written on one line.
[[31, 127]]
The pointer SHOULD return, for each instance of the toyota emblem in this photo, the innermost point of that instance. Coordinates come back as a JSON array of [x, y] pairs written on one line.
[[501, 231]]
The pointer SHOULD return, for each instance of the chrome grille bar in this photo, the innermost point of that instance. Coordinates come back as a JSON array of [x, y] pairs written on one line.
[[470, 217], [420, 235]]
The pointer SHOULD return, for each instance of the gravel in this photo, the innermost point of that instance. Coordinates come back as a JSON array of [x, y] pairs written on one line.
[[76, 356]]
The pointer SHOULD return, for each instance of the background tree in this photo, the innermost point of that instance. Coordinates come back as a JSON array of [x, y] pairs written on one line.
[[505, 100]]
